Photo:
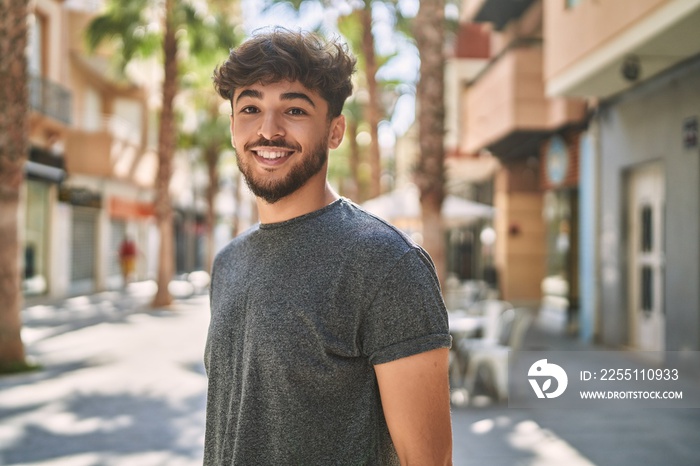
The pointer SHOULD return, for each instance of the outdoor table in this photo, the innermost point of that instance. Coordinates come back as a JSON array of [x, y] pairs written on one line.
[[464, 325]]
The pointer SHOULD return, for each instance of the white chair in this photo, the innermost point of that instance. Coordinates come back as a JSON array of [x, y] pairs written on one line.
[[487, 362], [488, 313]]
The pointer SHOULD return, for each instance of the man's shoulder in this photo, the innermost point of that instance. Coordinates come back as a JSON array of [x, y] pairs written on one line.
[[367, 232], [237, 243]]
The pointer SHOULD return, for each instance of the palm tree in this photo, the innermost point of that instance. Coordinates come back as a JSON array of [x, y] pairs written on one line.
[[373, 106], [128, 23], [429, 32], [13, 153], [362, 23], [353, 111], [209, 43], [210, 138]]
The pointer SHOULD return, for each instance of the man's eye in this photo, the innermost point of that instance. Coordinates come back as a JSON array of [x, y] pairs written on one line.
[[249, 110], [296, 111]]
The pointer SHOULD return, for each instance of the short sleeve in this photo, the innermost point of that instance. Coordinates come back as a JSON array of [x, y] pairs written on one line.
[[407, 315]]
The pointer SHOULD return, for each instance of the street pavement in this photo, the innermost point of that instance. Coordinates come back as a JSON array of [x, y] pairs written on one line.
[[495, 435], [124, 385]]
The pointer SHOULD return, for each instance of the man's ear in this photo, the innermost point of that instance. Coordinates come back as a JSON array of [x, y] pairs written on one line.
[[337, 131]]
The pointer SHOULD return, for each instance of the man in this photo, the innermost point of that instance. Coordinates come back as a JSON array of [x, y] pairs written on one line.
[[328, 342]]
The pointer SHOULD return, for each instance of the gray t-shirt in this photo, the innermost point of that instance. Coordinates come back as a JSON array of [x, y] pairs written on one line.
[[300, 312]]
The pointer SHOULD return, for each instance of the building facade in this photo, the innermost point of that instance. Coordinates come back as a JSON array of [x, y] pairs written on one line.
[[51, 115], [638, 62], [507, 115]]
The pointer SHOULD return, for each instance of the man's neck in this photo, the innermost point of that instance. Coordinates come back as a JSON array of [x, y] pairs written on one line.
[[305, 200]]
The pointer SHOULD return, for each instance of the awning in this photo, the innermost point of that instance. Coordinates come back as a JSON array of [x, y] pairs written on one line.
[[43, 172], [404, 204]]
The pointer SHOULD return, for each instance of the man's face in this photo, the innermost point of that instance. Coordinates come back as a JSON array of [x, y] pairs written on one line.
[[281, 134]]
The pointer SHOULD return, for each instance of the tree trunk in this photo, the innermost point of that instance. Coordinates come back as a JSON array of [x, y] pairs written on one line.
[[14, 107], [430, 176], [355, 192], [211, 155], [373, 106], [166, 148], [237, 200]]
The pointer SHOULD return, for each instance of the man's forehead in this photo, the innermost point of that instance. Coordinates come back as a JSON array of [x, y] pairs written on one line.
[[285, 90]]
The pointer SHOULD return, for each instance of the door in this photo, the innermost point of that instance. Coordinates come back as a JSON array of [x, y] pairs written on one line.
[[646, 257]]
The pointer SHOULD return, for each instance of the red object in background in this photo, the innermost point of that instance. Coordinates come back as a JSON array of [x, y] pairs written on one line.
[[127, 249]]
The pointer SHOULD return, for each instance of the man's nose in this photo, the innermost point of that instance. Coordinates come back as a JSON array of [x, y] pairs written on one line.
[[271, 127]]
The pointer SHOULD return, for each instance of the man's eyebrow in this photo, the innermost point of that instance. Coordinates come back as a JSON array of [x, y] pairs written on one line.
[[298, 95], [249, 93]]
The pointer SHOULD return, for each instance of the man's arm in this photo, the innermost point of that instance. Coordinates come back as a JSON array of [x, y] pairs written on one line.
[[416, 399]]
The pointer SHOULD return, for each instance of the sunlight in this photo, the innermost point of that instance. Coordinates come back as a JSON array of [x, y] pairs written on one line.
[[484, 426], [67, 423], [545, 446]]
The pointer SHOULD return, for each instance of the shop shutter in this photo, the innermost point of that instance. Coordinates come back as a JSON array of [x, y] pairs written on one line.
[[83, 242]]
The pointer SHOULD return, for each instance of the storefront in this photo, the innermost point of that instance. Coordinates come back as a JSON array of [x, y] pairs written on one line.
[[132, 218], [560, 166], [84, 226], [44, 171]]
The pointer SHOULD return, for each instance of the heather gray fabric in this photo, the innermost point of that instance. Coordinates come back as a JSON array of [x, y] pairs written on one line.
[[301, 310]]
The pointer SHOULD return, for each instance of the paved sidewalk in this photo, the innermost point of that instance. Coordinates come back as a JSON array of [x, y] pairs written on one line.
[[122, 385], [495, 435]]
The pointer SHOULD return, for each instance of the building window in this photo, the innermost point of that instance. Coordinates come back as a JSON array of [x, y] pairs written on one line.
[[647, 240], [36, 45], [647, 289]]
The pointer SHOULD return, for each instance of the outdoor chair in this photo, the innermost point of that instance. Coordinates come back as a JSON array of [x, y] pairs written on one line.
[[487, 362], [489, 311]]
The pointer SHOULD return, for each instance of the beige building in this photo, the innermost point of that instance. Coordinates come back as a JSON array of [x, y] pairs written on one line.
[[90, 170], [51, 114], [638, 62], [506, 114]]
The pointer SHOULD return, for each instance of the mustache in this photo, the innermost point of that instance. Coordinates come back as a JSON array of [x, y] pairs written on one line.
[[281, 143]]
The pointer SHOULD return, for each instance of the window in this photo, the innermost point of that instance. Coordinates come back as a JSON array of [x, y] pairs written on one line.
[[647, 289], [36, 45], [647, 240]]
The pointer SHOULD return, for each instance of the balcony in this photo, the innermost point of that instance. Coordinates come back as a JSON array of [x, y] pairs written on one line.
[[507, 111], [113, 149], [50, 99], [588, 46], [497, 12]]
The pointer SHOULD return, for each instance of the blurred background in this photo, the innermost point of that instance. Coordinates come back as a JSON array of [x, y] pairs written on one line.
[[545, 152]]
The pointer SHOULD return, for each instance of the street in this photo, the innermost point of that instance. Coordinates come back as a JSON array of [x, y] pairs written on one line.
[[125, 392], [125, 386]]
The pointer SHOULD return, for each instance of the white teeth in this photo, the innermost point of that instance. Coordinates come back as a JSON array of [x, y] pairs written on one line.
[[271, 154]]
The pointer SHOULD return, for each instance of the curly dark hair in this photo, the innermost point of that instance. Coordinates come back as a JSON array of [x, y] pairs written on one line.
[[280, 54]]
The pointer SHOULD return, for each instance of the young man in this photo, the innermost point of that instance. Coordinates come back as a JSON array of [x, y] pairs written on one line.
[[328, 342]]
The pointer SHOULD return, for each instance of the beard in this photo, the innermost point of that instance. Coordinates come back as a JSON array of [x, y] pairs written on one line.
[[274, 190]]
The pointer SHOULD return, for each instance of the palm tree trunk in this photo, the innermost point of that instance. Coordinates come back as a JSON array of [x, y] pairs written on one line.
[[166, 148], [355, 192], [373, 106], [211, 155], [430, 176], [13, 153]]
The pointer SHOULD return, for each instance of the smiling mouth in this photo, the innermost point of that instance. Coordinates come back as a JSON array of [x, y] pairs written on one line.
[[272, 154]]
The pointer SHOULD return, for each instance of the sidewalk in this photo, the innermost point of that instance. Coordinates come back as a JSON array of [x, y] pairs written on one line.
[[123, 385], [500, 436], [120, 385]]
